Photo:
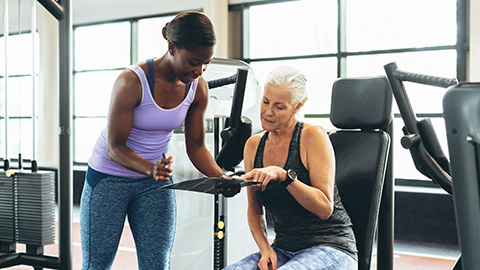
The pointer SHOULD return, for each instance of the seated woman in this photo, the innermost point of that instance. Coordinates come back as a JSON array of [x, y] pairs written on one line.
[[296, 164]]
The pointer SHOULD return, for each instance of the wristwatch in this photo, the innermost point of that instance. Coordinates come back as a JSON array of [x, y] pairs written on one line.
[[291, 176]]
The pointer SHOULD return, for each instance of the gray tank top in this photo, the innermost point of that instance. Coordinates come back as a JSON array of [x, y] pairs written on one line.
[[295, 227]]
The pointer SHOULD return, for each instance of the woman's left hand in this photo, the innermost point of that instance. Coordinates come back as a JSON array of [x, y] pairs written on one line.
[[265, 175]]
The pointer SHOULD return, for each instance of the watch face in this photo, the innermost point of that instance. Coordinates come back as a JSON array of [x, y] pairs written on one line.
[[292, 174]]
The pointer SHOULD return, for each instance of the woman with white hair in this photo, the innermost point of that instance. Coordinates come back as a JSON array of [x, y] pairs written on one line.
[[296, 164]]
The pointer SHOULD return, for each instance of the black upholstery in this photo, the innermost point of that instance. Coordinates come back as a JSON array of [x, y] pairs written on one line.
[[363, 106]]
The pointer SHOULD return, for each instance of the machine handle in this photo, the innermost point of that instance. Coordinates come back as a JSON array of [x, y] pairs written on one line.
[[424, 79]]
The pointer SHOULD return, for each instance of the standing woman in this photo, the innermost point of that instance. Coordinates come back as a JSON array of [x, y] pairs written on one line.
[[127, 167], [296, 164]]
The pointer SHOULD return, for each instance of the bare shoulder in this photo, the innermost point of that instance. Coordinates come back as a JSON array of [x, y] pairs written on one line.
[[253, 142], [201, 93], [315, 146], [314, 133], [128, 88], [202, 82], [128, 78], [202, 86]]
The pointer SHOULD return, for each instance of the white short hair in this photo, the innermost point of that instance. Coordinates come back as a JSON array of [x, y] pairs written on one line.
[[293, 79]]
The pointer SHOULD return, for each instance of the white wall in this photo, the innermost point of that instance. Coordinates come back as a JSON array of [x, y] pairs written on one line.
[[92, 11], [48, 117], [88, 11], [474, 31]]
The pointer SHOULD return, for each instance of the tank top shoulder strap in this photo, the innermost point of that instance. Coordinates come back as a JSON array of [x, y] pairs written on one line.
[[151, 76], [258, 162], [294, 148]]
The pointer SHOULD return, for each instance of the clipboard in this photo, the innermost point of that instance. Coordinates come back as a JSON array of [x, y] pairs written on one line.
[[211, 185]]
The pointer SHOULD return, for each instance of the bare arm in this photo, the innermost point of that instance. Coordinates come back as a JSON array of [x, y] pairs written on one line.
[[255, 212], [320, 162], [127, 93], [195, 134], [319, 159]]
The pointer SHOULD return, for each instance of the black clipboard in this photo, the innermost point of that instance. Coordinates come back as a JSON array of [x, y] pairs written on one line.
[[211, 185]]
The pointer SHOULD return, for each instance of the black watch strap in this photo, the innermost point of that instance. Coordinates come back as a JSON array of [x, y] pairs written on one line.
[[289, 179]]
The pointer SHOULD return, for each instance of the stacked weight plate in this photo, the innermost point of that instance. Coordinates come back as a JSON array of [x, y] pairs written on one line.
[[35, 208], [7, 210]]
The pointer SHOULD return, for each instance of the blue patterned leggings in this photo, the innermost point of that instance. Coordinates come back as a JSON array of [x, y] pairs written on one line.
[[314, 258], [107, 200]]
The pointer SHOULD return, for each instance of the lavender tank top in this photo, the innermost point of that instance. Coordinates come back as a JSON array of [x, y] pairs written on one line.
[[152, 128]]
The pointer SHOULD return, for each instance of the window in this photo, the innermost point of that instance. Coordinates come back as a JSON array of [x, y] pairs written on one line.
[[280, 33], [292, 29], [91, 108], [331, 39], [440, 63], [382, 25], [320, 73], [18, 99], [2, 117], [101, 53], [151, 42], [104, 46], [323, 39]]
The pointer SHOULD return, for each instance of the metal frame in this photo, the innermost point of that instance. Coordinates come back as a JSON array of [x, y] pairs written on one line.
[[418, 138], [62, 11], [240, 79]]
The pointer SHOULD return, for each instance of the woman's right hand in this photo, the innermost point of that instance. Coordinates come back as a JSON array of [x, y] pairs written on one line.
[[162, 169], [268, 260], [265, 175]]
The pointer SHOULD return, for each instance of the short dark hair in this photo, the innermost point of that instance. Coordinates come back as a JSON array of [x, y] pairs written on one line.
[[190, 29]]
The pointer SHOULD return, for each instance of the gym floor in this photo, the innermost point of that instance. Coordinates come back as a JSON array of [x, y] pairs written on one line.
[[407, 255]]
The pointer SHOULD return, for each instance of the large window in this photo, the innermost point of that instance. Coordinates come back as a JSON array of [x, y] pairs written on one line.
[[101, 53], [292, 29], [382, 25], [331, 39], [324, 39], [151, 42], [17, 99]]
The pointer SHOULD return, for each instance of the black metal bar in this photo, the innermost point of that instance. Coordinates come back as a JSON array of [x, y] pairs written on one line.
[[347, 54], [424, 79], [401, 97], [396, 78], [216, 137], [218, 240], [385, 240], [54, 8], [341, 37], [462, 46], [222, 81], [7, 247], [65, 174], [238, 96], [33, 260], [35, 251]]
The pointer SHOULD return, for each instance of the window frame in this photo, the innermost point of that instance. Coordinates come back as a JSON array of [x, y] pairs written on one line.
[[461, 48], [134, 46]]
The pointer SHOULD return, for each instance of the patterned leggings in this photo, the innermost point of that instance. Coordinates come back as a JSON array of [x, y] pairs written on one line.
[[314, 258], [107, 200]]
